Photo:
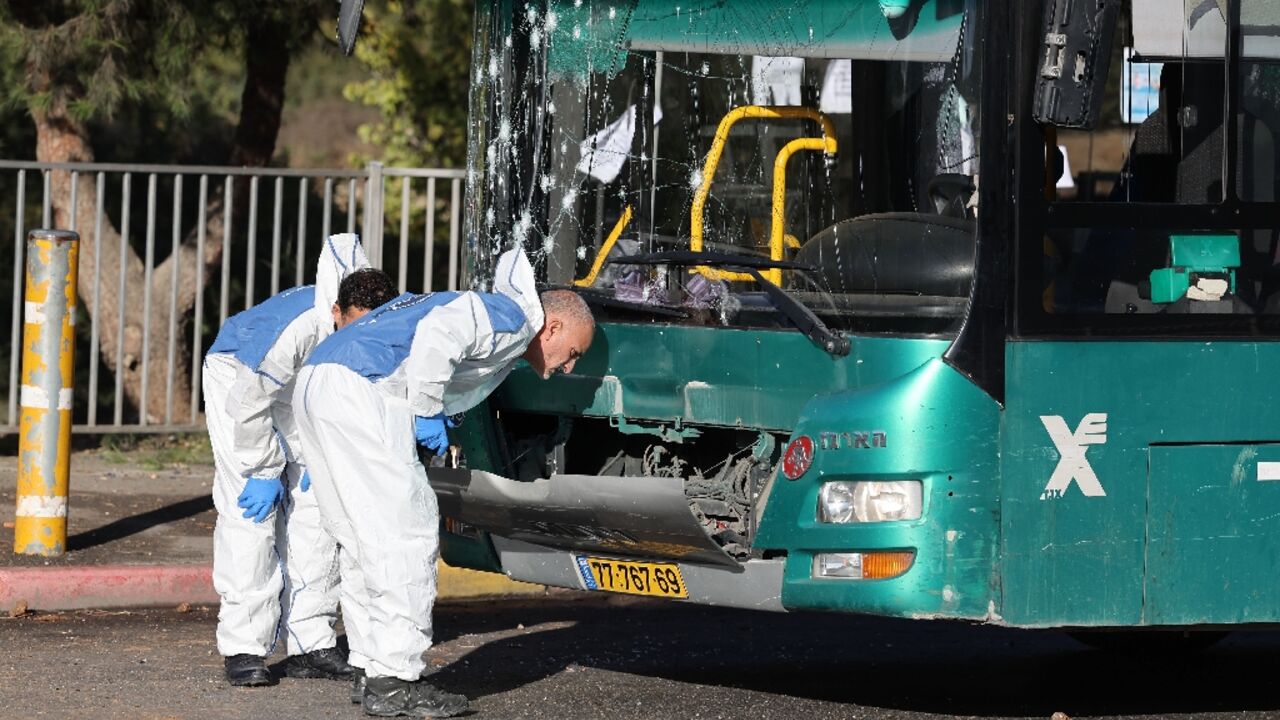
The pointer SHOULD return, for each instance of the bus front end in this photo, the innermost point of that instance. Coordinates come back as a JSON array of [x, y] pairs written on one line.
[[772, 209]]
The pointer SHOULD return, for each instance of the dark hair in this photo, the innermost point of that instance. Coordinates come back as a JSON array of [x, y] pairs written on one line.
[[366, 288]]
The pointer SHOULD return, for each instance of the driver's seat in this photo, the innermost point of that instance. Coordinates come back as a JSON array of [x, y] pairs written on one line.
[[898, 252]]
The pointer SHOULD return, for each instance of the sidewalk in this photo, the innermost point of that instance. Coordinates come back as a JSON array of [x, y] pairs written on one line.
[[140, 533]]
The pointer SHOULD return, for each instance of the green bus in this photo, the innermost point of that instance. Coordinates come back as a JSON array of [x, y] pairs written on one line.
[[918, 308]]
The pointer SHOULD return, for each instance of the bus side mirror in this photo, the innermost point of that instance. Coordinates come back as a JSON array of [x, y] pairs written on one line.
[[1072, 78], [349, 24]]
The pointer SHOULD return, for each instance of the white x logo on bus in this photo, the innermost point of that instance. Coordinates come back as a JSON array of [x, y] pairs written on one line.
[[1092, 430]]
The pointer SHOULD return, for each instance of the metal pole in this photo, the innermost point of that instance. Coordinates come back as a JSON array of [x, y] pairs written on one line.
[[301, 249], [15, 329], [48, 361], [373, 213], [353, 196], [251, 255], [197, 326], [144, 412], [455, 212], [276, 225], [429, 263], [126, 191], [328, 209], [404, 232], [94, 341]]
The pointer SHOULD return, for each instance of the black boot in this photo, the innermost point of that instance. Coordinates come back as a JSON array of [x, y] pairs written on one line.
[[389, 696], [357, 687], [247, 670], [329, 663]]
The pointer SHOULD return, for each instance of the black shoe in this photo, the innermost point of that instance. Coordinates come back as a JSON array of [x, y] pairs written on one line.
[[357, 687], [329, 663], [389, 696], [247, 670]]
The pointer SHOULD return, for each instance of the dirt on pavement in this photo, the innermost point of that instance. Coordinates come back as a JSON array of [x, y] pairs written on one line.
[[140, 505]]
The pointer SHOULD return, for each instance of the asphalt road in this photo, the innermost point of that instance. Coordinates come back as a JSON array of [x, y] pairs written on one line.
[[582, 656]]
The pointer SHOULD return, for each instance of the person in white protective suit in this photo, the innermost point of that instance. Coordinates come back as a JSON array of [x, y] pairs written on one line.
[[363, 399], [276, 570]]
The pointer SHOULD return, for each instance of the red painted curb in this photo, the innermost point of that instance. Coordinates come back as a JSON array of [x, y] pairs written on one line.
[[106, 586]]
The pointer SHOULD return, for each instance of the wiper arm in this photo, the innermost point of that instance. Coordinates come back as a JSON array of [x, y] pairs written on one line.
[[802, 317], [595, 297], [603, 299]]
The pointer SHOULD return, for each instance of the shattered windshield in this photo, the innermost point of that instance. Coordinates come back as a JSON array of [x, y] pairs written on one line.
[[833, 138]]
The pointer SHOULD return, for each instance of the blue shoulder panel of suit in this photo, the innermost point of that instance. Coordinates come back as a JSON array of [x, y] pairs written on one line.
[[376, 344], [249, 335]]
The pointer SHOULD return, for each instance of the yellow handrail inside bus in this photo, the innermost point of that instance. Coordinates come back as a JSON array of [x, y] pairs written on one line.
[[827, 144], [777, 238], [603, 253]]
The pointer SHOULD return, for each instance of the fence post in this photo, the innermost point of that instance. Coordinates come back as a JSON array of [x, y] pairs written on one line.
[[48, 361], [373, 213]]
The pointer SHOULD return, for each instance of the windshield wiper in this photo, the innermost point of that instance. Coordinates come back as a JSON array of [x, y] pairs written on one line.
[[710, 259], [802, 317], [596, 297]]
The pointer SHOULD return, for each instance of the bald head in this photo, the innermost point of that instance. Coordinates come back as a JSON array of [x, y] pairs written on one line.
[[568, 306], [566, 333]]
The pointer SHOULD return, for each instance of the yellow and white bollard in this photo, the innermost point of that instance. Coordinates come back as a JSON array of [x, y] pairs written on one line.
[[48, 360]]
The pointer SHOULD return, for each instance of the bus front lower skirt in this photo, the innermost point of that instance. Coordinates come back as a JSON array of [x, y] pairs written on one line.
[[642, 517]]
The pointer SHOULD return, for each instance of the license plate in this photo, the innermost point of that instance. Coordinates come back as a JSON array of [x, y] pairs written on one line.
[[631, 577]]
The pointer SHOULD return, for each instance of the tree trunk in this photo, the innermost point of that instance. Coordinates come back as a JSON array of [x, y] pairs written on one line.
[[61, 138]]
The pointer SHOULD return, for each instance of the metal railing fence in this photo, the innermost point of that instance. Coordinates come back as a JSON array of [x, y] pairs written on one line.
[[270, 224]]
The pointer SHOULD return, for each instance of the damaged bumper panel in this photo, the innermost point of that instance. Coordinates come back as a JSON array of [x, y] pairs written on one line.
[[646, 518], [756, 585]]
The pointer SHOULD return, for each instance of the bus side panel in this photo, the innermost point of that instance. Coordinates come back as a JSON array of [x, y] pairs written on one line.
[[726, 377], [1081, 421], [1213, 534]]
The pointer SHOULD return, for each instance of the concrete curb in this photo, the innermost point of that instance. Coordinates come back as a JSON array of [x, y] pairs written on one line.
[[105, 586], [123, 586]]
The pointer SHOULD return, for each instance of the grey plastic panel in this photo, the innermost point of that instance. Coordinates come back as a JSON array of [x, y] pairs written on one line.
[[641, 517]]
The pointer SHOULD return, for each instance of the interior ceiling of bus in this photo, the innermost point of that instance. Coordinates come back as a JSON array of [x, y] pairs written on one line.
[[587, 35], [1169, 29]]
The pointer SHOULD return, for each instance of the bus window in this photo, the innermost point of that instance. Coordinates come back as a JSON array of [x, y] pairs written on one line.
[[1259, 116], [833, 134], [1159, 137], [1163, 139]]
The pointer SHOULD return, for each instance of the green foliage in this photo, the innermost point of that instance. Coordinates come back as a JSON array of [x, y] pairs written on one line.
[[157, 452], [95, 55], [418, 55], [170, 56]]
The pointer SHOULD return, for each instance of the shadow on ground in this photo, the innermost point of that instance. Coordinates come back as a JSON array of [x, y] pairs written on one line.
[[916, 666], [134, 524]]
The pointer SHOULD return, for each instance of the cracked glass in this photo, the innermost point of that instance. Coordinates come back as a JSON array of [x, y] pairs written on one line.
[[832, 144]]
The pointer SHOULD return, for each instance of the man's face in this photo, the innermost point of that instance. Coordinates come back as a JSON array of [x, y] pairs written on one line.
[[558, 346], [342, 319]]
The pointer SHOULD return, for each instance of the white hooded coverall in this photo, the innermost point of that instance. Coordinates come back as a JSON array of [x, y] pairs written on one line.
[[285, 566], [356, 399]]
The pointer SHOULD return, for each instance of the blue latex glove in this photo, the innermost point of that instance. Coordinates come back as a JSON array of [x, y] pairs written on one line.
[[431, 434], [259, 496], [305, 483]]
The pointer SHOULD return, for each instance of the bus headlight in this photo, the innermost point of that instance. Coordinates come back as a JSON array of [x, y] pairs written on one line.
[[867, 501]]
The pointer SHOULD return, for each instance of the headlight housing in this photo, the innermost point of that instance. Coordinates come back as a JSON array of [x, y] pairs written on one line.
[[868, 501]]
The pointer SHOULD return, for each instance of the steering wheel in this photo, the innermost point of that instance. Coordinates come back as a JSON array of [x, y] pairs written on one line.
[[950, 193]]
